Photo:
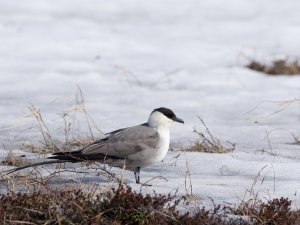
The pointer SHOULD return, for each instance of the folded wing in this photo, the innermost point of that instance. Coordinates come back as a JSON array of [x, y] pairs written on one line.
[[119, 144]]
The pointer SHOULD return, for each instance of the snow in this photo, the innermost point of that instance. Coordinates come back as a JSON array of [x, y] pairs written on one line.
[[130, 57]]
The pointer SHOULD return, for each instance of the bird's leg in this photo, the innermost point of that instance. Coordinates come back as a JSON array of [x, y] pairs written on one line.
[[137, 175]]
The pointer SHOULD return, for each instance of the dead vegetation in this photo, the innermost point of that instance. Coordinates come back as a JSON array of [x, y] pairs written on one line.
[[124, 206], [14, 160], [72, 140], [121, 206], [207, 142], [277, 67], [273, 212], [78, 129]]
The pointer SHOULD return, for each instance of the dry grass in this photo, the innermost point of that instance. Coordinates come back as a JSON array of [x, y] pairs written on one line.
[[120, 206], [49, 143], [207, 142], [274, 212], [124, 206], [14, 160], [72, 140], [257, 211], [277, 67], [75, 136]]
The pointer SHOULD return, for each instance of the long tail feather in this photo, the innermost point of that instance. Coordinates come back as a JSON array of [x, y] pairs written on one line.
[[61, 157], [34, 165]]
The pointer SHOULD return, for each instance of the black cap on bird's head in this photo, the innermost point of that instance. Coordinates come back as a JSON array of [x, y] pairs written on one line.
[[168, 113]]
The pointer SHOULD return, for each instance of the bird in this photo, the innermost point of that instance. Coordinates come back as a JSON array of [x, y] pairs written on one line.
[[131, 148]]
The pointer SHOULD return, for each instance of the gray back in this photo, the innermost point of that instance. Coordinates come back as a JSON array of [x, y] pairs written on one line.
[[124, 142]]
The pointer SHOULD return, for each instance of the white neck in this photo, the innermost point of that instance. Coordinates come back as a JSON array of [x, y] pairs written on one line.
[[159, 120], [164, 142]]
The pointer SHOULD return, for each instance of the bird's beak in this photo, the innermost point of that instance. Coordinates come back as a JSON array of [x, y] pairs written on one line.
[[179, 120]]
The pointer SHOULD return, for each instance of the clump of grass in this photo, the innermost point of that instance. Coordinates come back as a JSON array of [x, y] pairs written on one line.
[[12, 159], [124, 206], [207, 142], [273, 212], [73, 138], [277, 67], [50, 145], [121, 206], [256, 211]]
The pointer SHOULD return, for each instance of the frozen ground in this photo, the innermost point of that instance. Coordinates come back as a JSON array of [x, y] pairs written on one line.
[[131, 56]]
